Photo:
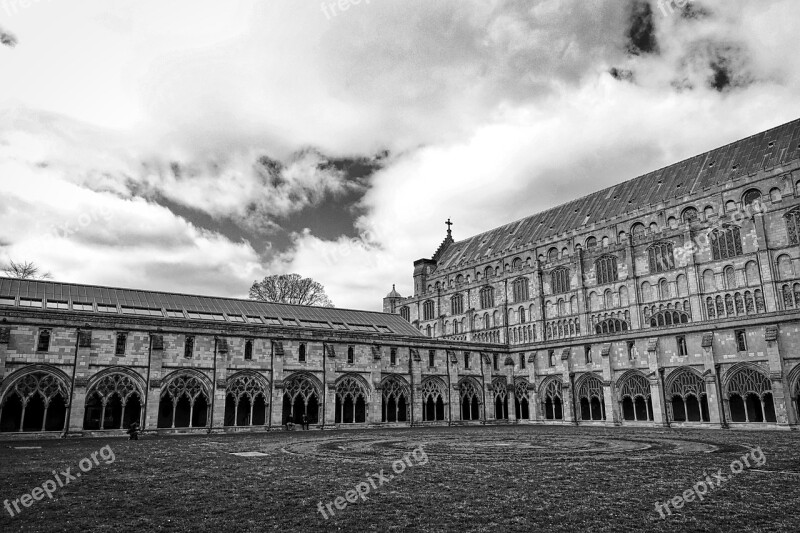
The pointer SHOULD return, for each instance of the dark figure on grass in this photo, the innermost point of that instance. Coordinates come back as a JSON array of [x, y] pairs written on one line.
[[305, 421], [133, 431]]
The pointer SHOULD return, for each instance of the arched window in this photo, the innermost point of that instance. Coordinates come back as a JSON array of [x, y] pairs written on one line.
[[36, 401], [394, 395], [750, 396], [793, 225], [516, 264], [405, 312], [113, 402], [605, 269], [605, 242], [621, 237], [457, 304], [634, 393], [730, 205], [775, 195], [248, 350], [647, 292], [660, 257], [730, 277], [689, 215], [709, 212], [611, 325], [427, 310], [663, 289], [624, 301], [726, 243], [459, 279], [185, 402], [488, 272], [552, 254], [653, 228], [683, 285], [551, 399], [487, 297], [609, 299], [591, 242], [669, 317], [686, 396], [751, 273], [520, 289], [246, 400], [351, 402], [638, 230], [672, 223], [470, 399], [562, 308], [590, 396], [559, 280], [752, 198]]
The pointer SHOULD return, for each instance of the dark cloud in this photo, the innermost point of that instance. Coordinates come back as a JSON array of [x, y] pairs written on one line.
[[621, 74], [641, 32]]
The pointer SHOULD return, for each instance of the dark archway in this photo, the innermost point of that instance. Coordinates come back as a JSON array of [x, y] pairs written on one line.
[[628, 412], [736, 405], [12, 413]]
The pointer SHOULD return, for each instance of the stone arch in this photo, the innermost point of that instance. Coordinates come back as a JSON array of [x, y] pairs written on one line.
[[552, 398], [247, 399], [748, 391], [522, 407], [395, 394], [114, 399], [34, 398], [434, 396], [301, 396], [635, 400], [500, 392], [471, 398], [793, 380], [352, 393], [589, 389], [185, 399]]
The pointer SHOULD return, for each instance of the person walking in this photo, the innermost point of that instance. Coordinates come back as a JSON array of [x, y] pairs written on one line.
[[305, 421], [133, 431]]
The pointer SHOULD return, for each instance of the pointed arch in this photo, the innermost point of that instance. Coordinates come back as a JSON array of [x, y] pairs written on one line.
[[114, 399], [34, 398], [246, 399], [433, 394]]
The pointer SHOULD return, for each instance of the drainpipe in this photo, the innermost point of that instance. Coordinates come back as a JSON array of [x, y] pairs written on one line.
[[663, 396], [147, 381], [723, 422], [71, 386], [213, 387]]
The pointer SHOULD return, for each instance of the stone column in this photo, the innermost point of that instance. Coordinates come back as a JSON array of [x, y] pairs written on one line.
[[710, 377], [783, 412], [655, 377], [609, 392], [508, 370]]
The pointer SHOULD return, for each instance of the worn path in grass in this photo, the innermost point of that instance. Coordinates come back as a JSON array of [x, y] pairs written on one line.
[[505, 478]]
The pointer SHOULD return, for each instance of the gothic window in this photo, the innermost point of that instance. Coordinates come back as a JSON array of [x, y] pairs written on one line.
[[301, 354], [590, 395], [759, 297], [638, 230], [551, 394], [551, 357], [405, 312], [729, 305], [114, 402], [634, 393], [668, 317], [351, 402], [246, 399], [720, 306], [605, 269], [623, 296], [188, 346], [457, 304], [726, 243], [427, 310], [730, 277], [750, 396], [660, 257], [488, 272], [689, 215], [500, 399], [300, 397], [431, 358], [393, 356], [459, 279], [683, 285], [119, 346], [184, 403], [741, 340], [486, 321], [394, 394], [520, 289], [552, 254], [686, 396], [793, 225], [609, 299], [591, 242], [521, 313], [587, 354], [562, 308], [351, 352], [749, 304], [516, 264], [466, 360], [43, 343], [35, 402], [610, 325], [428, 330], [487, 297], [470, 403], [559, 280], [248, 350]]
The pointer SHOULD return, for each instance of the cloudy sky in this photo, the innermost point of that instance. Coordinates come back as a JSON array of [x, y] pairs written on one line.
[[196, 146]]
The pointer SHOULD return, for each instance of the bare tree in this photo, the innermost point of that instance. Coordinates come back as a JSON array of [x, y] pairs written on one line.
[[23, 270], [290, 289]]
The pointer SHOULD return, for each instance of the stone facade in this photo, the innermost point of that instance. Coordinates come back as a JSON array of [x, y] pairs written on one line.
[[672, 298]]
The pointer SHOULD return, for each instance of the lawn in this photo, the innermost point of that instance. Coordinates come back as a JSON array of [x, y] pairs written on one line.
[[504, 478]]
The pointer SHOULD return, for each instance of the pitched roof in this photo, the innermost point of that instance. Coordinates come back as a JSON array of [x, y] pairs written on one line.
[[764, 150], [55, 296]]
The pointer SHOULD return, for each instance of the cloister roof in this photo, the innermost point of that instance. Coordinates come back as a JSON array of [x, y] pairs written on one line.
[[55, 296], [768, 149]]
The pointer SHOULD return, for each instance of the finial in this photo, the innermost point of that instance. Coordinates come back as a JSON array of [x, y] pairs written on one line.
[[449, 234]]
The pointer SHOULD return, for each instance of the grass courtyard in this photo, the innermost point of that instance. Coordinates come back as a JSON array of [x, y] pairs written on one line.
[[504, 478]]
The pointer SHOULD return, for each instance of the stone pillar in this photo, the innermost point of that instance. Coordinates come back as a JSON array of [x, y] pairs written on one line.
[[154, 386], [77, 405], [783, 409], [609, 392], [533, 392], [655, 377], [278, 385], [415, 367], [508, 370], [710, 377]]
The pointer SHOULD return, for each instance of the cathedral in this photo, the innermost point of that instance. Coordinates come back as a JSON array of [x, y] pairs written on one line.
[[672, 299]]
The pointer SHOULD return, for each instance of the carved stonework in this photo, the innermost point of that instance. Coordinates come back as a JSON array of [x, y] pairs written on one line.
[[221, 384], [532, 357], [5, 335], [84, 338], [155, 383], [415, 355], [376, 353], [279, 385], [509, 361], [222, 345], [771, 333]]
